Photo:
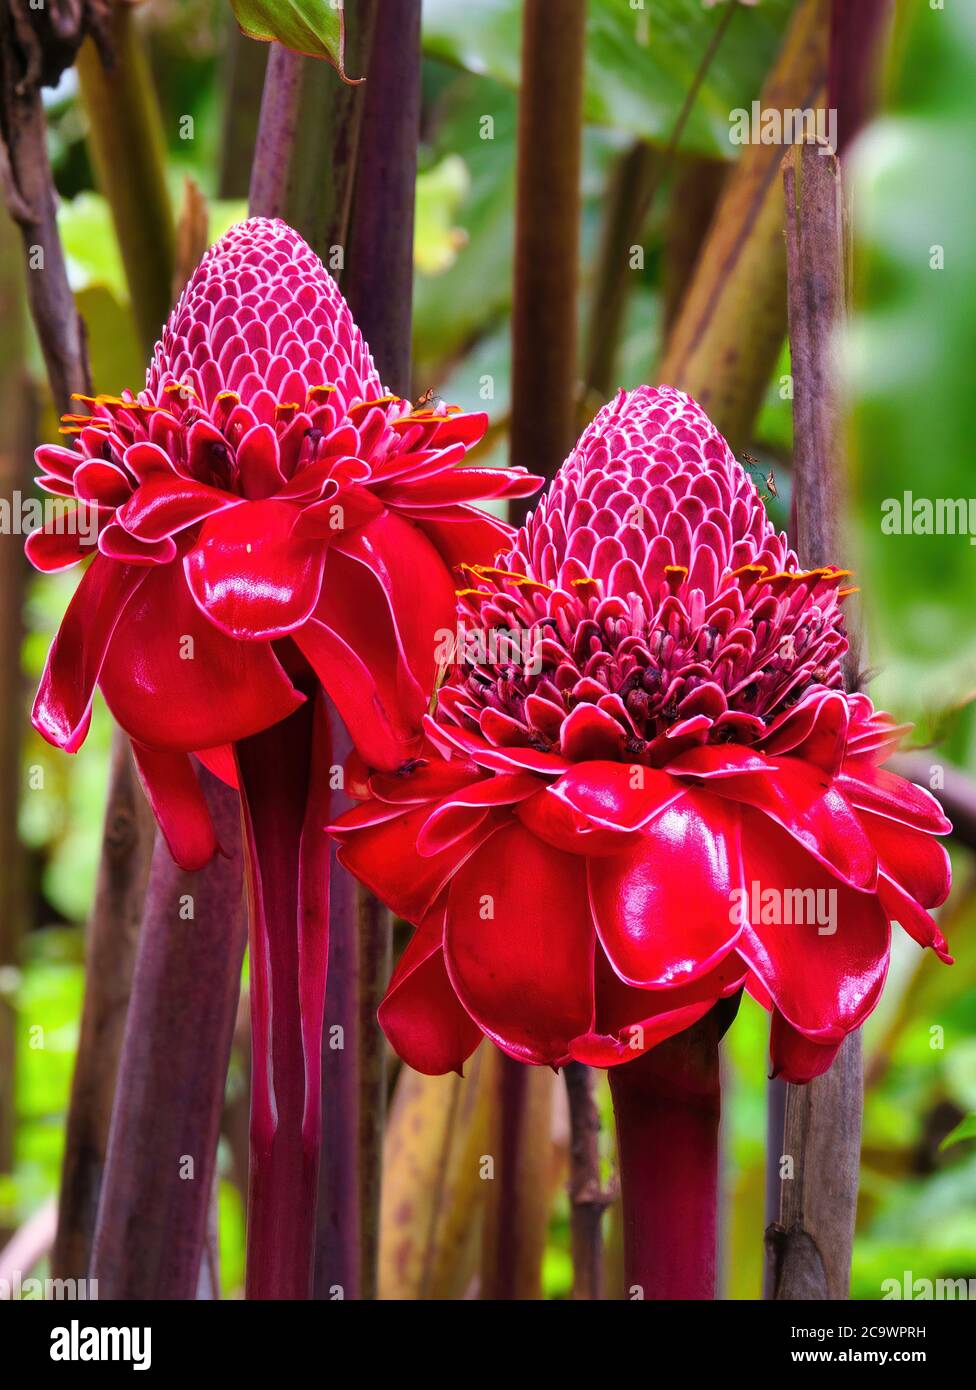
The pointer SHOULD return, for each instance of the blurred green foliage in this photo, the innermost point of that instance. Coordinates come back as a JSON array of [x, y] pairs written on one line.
[[909, 356]]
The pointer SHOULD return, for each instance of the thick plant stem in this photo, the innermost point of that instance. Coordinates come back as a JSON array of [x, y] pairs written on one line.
[[110, 947], [379, 284], [16, 438], [587, 1199], [308, 140], [633, 177], [517, 1213], [547, 220], [725, 341], [667, 1106], [353, 1079], [110, 950], [810, 1247], [156, 1192], [242, 79], [857, 34], [353, 1089], [284, 789], [129, 154]]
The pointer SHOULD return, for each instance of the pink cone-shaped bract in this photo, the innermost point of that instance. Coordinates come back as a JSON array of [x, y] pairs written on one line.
[[267, 514], [644, 785]]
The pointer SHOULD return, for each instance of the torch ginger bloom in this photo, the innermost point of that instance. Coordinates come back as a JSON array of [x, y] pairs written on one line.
[[587, 838], [271, 522], [265, 510]]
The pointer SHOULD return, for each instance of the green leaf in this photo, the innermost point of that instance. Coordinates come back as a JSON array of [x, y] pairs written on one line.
[[965, 1129], [313, 27], [640, 62]]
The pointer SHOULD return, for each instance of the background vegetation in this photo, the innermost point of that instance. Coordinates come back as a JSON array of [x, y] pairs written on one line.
[[910, 356]]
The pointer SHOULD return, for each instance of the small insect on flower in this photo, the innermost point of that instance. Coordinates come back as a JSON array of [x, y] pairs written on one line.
[[768, 481], [429, 404]]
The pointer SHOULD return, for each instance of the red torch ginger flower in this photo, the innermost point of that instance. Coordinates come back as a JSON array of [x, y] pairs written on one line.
[[660, 793], [264, 508], [270, 524]]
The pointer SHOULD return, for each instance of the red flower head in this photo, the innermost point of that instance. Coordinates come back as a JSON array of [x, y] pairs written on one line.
[[645, 786], [264, 509]]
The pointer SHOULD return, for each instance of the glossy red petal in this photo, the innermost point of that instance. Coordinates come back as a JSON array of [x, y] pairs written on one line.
[[589, 734], [801, 798], [462, 811], [251, 576], [119, 545], [174, 681], [423, 781], [470, 484], [404, 564], [383, 855], [464, 535], [164, 505], [519, 945], [378, 701], [102, 483], [420, 1013], [794, 1057], [824, 968], [715, 760], [178, 804], [49, 550], [914, 859], [815, 730], [663, 908], [560, 824], [630, 1021], [871, 788], [62, 707], [920, 926], [623, 796]]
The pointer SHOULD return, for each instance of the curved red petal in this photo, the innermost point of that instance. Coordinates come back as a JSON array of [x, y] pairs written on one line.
[[404, 564], [165, 504], [795, 1058], [50, 550], [518, 944], [464, 535], [560, 824], [420, 1013], [174, 681], [589, 734], [871, 788], [914, 859], [119, 545], [178, 804], [621, 796], [920, 926], [819, 947], [383, 855], [663, 908], [631, 1021], [249, 573], [462, 811], [75, 663], [377, 701], [801, 798]]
